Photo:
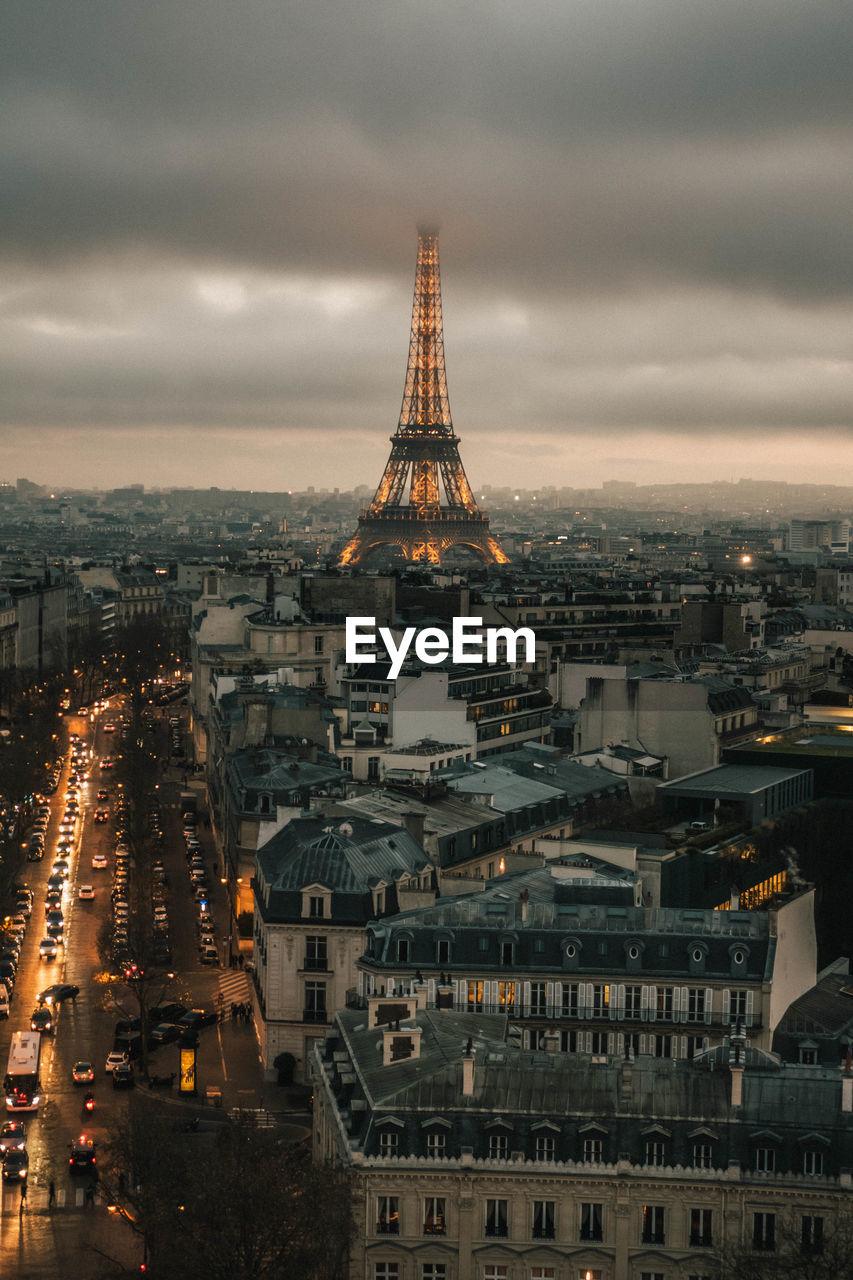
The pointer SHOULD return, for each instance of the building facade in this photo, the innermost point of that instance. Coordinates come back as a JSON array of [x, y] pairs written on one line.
[[578, 967], [472, 1160], [317, 885]]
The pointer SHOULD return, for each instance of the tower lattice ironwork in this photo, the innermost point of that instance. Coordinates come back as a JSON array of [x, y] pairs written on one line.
[[407, 510]]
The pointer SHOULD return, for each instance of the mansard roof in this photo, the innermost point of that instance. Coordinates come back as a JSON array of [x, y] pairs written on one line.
[[348, 858], [681, 1099], [591, 903]]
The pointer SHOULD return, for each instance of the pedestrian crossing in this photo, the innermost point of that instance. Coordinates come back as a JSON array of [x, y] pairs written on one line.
[[38, 1199], [233, 987]]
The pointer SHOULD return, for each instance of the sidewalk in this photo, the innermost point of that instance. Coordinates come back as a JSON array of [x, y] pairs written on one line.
[[228, 1054]]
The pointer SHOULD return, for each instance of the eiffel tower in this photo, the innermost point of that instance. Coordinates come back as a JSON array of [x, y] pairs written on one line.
[[423, 449]]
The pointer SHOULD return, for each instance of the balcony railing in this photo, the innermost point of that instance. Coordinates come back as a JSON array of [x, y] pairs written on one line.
[[314, 1015]]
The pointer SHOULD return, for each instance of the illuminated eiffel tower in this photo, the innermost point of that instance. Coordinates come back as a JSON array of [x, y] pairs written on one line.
[[424, 452]]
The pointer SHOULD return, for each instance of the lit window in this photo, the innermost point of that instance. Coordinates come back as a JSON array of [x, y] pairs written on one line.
[[475, 997], [506, 995], [653, 1224], [435, 1223], [388, 1215]]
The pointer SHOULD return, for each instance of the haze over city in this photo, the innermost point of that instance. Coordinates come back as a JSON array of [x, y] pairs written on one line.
[[210, 235]]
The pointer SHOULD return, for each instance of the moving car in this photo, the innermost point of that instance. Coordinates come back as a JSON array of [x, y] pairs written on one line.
[[15, 1166], [43, 1019], [82, 1157], [100, 861], [86, 892], [101, 815], [194, 1019], [48, 949], [82, 1073], [58, 992], [13, 1136], [115, 1059]]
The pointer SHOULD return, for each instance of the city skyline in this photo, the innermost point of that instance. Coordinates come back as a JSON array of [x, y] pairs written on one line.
[[210, 235]]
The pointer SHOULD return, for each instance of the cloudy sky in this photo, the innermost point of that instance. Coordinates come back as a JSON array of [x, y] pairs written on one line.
[[209, 218]]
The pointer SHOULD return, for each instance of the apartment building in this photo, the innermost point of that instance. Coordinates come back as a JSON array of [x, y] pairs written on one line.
[[474, 1160], [573, 960]]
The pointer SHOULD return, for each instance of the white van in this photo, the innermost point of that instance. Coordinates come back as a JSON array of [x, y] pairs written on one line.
[[4, 1000]]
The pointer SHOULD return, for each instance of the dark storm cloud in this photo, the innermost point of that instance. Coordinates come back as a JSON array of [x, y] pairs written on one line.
[[209, 211]]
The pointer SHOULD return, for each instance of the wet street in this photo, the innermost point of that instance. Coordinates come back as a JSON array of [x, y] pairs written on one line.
[[73, 1238]]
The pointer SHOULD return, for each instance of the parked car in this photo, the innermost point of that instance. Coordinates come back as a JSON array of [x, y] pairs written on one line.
[[164, 1033], [123, 1076]]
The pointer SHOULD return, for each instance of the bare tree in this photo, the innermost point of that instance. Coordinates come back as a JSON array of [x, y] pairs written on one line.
[[235, 1203]]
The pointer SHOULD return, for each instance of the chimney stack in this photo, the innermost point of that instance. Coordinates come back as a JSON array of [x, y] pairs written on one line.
[[737, 1061], [468, 1070], [847, 1085], [415, 824], [524, 898], [626, 1075]]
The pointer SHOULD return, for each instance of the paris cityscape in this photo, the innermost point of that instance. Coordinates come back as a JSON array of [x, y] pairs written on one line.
[[426, 643]]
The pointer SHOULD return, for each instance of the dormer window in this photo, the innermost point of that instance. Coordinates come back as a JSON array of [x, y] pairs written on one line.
[[739, 957], [316, 903], [264, 803]]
